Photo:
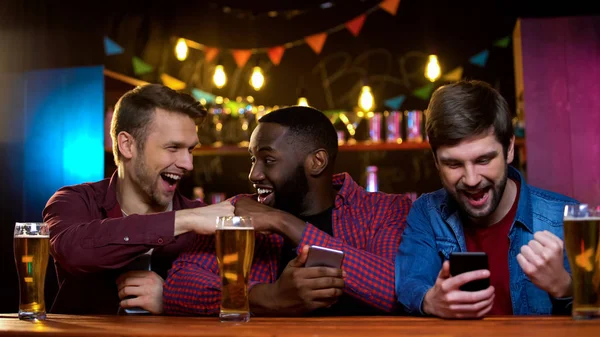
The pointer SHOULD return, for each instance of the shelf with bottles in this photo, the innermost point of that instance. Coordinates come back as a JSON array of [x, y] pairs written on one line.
[[242, 148]]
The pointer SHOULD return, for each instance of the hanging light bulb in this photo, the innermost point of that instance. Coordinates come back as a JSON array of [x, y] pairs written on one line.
[[219, 78], [433, 70], [257, 79], [181, 50], [365, 101], [302, 101]]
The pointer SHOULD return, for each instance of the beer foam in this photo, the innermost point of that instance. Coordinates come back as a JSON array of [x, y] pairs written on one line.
[[235, 228], [27, 236], [588, 218]]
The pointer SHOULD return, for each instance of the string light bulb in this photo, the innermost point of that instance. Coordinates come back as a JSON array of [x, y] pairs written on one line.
[[181, 49], [302, 101], [433, 70], [365, 101], [220, 78], [257, 80]]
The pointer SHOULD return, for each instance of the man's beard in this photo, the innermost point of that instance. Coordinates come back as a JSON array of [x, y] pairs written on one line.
[[291, 195], [147, 184], [496, 193]]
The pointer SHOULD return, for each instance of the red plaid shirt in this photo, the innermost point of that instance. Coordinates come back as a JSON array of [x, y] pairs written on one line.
[[366, 226]]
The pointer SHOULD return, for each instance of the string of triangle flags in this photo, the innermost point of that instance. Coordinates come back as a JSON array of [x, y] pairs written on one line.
[[316, 43]]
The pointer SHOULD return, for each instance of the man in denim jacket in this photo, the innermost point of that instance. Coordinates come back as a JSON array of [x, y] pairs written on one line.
[[485, 206]]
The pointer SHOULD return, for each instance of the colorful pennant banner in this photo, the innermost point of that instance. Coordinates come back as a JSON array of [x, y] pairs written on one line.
[[140, 67], [390, 6], [316, 42], [356, 24], [454, 76], [210, 53], [424, 92], [503, 42], [111, 47], [275, 54], [480, 59], [203, 95], [395, 102], [172, 82], [241, 56]]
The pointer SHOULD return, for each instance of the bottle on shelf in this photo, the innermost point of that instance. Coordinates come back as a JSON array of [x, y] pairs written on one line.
[[372, 183]]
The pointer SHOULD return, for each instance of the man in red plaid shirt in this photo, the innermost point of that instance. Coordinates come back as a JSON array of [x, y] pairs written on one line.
[[300, 202]]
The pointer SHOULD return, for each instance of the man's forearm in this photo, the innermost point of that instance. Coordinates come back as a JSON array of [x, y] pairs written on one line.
[[184, 221], [290, 227]]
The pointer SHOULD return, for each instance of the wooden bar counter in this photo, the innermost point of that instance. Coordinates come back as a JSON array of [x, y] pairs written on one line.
[[67, 325]]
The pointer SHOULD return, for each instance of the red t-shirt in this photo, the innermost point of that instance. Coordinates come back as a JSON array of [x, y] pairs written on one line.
[[493, 240]]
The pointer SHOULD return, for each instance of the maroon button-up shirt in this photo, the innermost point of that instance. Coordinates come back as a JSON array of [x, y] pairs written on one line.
[[92, 244]]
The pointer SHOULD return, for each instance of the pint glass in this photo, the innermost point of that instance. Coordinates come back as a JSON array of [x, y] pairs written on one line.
[[31, 244], [582, 234], [235, 250]]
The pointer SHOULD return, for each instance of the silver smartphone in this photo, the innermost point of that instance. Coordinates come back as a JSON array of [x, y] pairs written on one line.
[[324, 257]]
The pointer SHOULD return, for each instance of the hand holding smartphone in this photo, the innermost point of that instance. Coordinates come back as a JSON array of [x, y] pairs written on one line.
[[462, 262], [325, 257]]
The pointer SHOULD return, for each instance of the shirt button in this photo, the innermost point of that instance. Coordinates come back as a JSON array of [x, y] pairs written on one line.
[[126, 238], [160, 240]]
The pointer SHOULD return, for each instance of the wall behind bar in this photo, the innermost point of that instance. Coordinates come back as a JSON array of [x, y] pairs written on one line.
[[561, 81]]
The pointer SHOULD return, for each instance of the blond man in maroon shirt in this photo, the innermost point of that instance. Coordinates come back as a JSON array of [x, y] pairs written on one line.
[[98, 230]]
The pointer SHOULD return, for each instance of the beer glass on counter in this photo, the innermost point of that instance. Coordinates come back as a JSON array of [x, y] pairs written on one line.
[[31, 245], [235, 250], [582, 241]]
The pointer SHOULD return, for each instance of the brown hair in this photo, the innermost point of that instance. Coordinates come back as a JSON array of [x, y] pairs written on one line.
[[134, 112], [464, 109]]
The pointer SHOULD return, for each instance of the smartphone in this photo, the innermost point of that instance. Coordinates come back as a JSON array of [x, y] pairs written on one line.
[[142, 262], [462, 262], [325, 257]]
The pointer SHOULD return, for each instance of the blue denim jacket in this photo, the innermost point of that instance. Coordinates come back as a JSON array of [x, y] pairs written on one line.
[[434, 231]]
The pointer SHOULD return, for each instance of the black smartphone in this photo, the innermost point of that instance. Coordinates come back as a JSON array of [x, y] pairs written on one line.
[[462, 262], [326, 257]]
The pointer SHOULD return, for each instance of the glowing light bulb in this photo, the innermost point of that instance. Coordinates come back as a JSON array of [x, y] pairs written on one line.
[[365, 101], [257, 80], [433, 70], [220, 78], [181, 50], [302, 101]]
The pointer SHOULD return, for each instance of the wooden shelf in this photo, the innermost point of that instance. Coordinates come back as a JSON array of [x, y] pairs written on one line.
[[227, 150], [206, 150]]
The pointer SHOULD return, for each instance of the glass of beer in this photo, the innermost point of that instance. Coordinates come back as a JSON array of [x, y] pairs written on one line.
[[31, 244], [582, 240], [235, 250]]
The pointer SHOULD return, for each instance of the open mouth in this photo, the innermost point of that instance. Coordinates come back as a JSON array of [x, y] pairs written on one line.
[[170, 178], [265, 195], [479, 197]]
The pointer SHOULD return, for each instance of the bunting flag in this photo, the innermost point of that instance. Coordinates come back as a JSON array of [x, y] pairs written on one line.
[[424, 92], [503, 42], [454, 76], [275, 54], [480, 59], [395, 102], [172, 82], [390, 6], [241, 56], [316, 42], [356, 24], [210, 53], [203, 95], [111, 47], [140, 67]]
